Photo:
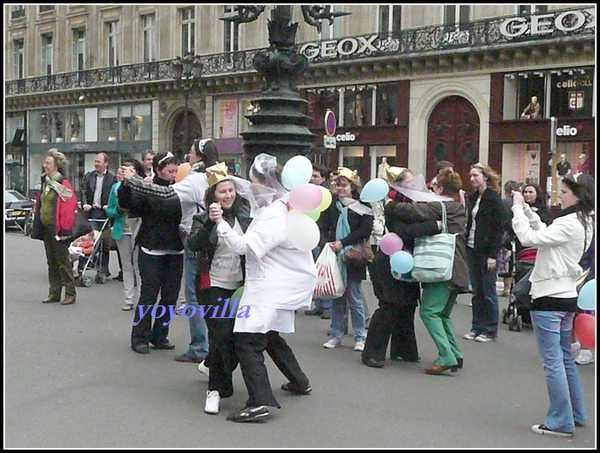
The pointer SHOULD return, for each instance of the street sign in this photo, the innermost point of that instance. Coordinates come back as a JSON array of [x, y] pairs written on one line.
[[329, 142], [330, 123]]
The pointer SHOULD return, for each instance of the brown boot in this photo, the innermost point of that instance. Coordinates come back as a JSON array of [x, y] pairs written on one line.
[[68, 300]]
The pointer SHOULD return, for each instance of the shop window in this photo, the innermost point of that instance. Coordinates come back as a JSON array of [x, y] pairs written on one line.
[[358, 107], [352, 157], [521, 162], [74, 129], [135, 122], [571, 151], [519, 90], [226, 118], [246, 109], [572, 93], [380, 156], [386, 108], [109, 124]]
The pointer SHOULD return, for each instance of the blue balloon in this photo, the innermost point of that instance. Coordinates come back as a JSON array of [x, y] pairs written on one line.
[[401, 262], [587, 296], [375, 190]]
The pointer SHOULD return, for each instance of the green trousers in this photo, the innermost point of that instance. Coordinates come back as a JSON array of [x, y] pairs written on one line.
[[437, 302], [60, 270]]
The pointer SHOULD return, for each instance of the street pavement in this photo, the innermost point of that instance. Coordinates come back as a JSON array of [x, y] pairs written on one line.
[[72, 381]]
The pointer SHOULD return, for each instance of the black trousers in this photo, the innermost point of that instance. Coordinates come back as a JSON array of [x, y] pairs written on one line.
[[395, 321], [222, 359], [160, 274], [249, 348]]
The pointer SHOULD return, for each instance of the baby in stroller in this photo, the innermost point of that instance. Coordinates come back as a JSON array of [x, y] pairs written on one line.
[[82, 247]]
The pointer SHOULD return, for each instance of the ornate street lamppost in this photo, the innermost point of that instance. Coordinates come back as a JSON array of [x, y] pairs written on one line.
[[277, 126], [187, 72]]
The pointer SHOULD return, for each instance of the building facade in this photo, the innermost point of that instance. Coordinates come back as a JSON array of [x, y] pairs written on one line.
[[413, 84]]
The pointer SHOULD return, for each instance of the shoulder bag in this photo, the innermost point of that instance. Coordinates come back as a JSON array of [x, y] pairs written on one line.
[[434, 255], [359, 254]]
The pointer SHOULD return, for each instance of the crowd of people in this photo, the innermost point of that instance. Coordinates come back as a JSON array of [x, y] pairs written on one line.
[[219, 235]]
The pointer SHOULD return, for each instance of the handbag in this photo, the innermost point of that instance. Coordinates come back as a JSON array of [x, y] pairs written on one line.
[[582, 279], [358, 255], [434, 255], [330, 283]]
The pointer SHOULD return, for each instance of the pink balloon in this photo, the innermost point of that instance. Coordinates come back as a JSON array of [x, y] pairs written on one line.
[[306, 197], [391, 243]]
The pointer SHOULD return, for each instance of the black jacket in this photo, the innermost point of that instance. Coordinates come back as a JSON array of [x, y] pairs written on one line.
[[160, 209], [489, 223], [360, 230], [89, 186]]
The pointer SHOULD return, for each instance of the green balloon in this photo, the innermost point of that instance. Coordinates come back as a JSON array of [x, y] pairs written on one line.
[[314, 214], [236, 295]]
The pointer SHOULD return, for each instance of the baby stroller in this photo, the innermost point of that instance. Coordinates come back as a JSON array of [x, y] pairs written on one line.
[[93, 261], [519, 306]]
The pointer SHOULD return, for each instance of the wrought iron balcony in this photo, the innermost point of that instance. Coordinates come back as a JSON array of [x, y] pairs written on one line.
[[511, 31]]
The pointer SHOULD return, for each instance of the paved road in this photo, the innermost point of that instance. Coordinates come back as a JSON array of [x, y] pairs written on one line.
[[71, 381]]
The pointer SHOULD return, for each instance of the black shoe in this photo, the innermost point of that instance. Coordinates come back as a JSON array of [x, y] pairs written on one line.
[[289, 388], [460, 363], [313, 312], [141, 348], [165, 345], [326, 316], [406, 359], [119, 277], [249, 414], [373, 363]]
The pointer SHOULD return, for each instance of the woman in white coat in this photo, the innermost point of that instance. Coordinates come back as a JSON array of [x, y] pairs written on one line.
[[279, 280], [561, 246]]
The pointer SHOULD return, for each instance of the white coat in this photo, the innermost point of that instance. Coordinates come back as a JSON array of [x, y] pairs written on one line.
[[560, 248], [279, 278]]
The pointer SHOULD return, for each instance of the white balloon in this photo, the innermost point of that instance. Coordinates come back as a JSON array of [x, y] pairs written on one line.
[[303, 231], [299, 170]]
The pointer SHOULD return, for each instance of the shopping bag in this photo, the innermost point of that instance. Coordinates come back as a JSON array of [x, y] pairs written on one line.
[[330, 284], [434, 255]]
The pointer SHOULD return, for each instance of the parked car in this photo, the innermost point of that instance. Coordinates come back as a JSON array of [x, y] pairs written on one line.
[[17, 208]]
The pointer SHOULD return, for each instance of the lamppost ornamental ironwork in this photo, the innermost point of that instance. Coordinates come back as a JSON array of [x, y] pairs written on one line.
[[277, 126], [187, 72]]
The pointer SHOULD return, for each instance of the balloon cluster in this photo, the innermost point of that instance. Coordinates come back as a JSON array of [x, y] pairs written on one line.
[[307, 201], [585, 323], [401, 262]]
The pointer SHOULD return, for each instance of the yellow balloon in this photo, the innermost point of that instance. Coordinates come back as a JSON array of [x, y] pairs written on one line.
[[326, 198]]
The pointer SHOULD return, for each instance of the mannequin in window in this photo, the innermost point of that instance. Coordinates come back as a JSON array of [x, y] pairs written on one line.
[[354, 115], [563, 167], [532, 111], [583, 166], [381, 168]]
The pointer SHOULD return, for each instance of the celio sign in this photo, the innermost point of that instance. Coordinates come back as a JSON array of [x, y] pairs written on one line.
[[540, 24]]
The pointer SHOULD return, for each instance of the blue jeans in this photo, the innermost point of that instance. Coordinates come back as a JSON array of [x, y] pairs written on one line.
[[553, 335], [354, 298], [485, 300], [198, 330]]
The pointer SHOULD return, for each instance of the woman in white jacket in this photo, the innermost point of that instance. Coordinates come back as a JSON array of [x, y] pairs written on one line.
[[553, 292], [279, 280]]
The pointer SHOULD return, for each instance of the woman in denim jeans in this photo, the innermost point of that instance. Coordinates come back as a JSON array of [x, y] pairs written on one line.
[[485, 214], [350, 223], [553, 292]]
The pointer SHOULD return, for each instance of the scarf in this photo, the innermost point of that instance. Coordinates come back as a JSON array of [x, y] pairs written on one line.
[[342, 230], [63, 192]]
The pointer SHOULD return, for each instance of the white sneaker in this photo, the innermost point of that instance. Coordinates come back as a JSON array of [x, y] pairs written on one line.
[[212, 402], [483, 338], [470, 336], [584, 357], [575, 347], [180, 309], [359, 346], [332, 343], [203, 368]]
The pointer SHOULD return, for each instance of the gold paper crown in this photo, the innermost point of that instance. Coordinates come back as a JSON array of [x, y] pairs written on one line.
[[346, 173], [392, 173], [217, 173]]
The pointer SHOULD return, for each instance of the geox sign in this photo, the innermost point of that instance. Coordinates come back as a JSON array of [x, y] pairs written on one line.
[[547, 24]]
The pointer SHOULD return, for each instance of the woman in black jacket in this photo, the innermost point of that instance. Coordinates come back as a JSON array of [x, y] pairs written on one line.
[[394, 320], [160, 257], [220, 273], [484, 237], [350, 223]]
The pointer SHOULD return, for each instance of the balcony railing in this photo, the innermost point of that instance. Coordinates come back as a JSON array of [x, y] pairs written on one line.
[[506, 31]]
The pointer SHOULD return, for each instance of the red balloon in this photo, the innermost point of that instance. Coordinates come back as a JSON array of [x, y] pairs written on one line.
[[585, 328]]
